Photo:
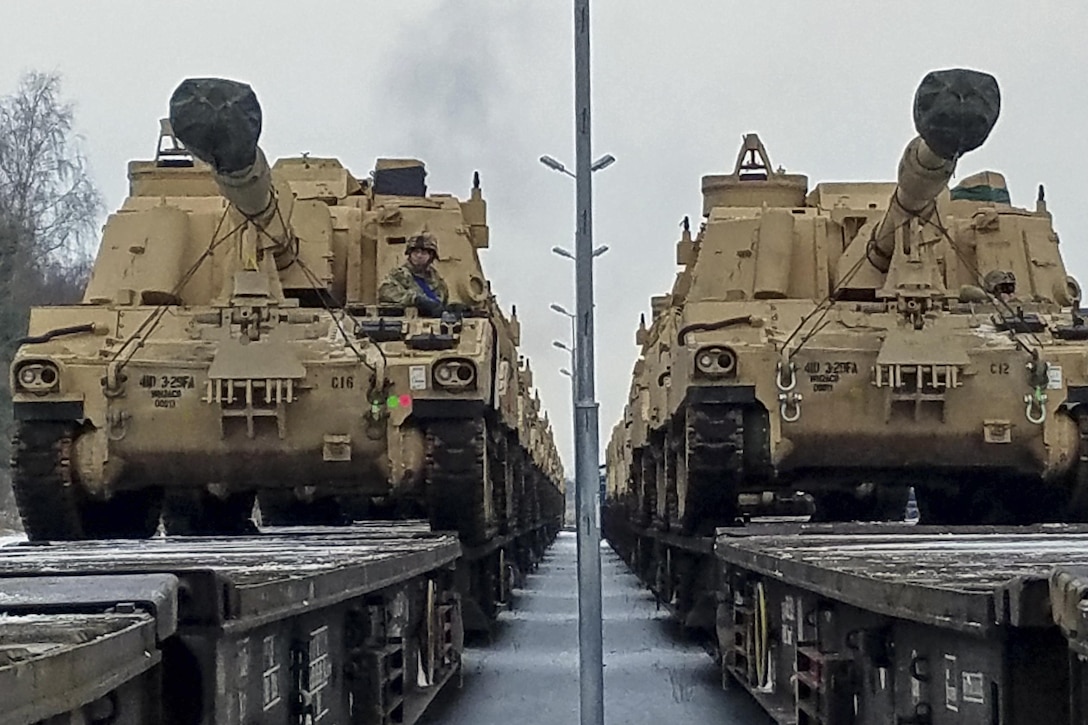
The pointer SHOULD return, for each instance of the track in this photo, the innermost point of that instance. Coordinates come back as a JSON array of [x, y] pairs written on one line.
[[459, 478], [54, 508], [715, 456], [41, 479]]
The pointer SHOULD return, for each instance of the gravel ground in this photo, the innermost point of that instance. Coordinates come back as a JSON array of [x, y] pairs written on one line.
[[529, 672]]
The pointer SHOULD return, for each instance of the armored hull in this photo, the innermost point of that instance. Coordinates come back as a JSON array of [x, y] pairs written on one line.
[[881, 404]]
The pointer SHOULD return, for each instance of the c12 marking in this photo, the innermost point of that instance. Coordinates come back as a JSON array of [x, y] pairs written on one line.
[[343, 382], [1001, 368]]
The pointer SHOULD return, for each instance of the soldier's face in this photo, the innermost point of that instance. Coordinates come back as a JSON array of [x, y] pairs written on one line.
[[419, 258]]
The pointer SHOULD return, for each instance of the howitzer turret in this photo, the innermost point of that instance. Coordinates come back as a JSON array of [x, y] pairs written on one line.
[[219, 122], [954, 112]]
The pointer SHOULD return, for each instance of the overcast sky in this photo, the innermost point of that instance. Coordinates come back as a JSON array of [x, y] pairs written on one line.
[[487, 85]]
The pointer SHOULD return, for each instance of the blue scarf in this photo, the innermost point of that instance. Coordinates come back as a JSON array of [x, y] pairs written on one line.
[[427, 291]]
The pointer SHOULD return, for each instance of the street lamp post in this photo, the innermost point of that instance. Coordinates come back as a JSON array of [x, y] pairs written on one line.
[[586, 435], [586, 450]]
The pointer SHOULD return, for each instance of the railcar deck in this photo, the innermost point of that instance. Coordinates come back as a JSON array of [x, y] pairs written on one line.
[[972, 580]]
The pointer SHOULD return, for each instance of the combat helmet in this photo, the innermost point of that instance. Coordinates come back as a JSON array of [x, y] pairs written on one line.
[[422, 241], [999, 281]]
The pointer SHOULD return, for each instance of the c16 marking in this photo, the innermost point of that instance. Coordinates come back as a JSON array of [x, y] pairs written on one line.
[[343, 382]]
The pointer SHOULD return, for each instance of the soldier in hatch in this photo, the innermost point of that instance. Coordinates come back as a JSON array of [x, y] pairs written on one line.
[[416, 282], [1001, 284]]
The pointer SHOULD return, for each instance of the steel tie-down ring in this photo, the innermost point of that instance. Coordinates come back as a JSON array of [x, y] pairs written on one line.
[[116, 424], [785, 366], [1033, 400], [790, 407]]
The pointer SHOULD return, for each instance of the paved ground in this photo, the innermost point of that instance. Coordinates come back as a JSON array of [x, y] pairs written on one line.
[[529, 673]]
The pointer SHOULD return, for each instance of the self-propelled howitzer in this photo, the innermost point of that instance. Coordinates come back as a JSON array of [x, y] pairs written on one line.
[[230, 342], [856, 339]]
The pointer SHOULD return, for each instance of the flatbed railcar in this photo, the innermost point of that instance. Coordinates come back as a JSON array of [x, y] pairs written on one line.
[[878, 624], [860, 624], [359, 624]]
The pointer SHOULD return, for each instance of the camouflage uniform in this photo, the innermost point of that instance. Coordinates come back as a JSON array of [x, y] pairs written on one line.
[[400, 286]]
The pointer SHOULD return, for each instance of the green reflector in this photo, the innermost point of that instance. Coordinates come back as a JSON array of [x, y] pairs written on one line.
[[392, 402]]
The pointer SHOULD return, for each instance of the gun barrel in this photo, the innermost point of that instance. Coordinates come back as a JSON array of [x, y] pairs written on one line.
[[954, 112], [219, 122]]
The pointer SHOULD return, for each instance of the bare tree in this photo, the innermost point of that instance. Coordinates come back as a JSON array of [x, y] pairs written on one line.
[[49, 210]]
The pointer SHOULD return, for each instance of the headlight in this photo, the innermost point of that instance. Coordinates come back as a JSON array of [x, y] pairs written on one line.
[[716, 361], [455, 375], [37, 376]]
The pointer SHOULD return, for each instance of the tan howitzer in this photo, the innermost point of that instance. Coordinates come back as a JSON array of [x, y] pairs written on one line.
[[219, 122], [954, 112]]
